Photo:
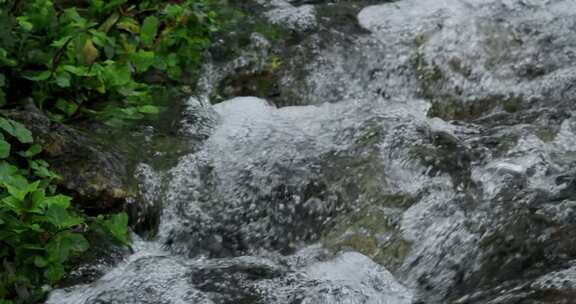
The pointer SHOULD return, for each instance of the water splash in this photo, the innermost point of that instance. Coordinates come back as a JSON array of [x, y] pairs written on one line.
[[431, 160]]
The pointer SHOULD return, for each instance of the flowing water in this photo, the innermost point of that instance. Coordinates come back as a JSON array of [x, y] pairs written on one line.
[[422, 151]]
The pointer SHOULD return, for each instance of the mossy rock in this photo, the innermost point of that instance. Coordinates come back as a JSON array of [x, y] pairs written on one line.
[[546, 134], [93, 174], [445, 154], [263, 84], [448, 102], [373, 231], [449, 108]]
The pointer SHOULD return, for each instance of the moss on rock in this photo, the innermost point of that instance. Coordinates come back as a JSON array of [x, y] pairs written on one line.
[[373, 231]]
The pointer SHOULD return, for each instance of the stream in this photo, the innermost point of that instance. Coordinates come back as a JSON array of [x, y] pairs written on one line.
[[416, 152]]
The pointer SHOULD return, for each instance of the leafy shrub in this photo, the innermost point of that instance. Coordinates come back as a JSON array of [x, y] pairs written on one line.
[[99, 57], [39, 231]]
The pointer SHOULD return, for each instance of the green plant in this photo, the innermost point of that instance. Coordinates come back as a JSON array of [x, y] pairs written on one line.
[[117, 226], [78, 59], [99, 57], [39, 231]]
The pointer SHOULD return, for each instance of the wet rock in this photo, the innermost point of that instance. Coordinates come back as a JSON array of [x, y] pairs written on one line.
[[284, 197], [163, 280], [445, 154], [437, 141], [262, 84], [234, 280], [374, 232], [307, 278], [96, 176], [290, 68], [352, 278], [525, 243], [296, 18], [499, 68], [555, 287]]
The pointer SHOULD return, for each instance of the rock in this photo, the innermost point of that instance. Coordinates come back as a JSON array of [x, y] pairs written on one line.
[[296, 18], [353, 278], [296, 195], [310, 277], [290, 68], [555, 287], [94, 175], [163, 279], [374, 232], [439, 142]]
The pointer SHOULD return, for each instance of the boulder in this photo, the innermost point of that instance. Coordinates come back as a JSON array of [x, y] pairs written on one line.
[[93, 174]]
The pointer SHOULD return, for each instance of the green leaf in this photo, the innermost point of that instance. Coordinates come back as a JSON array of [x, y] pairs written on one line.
[[76, 70], [148, 109], [97, 5], [16, 129], [54, 272], [117, 225], [63, 79], [175, 72], [101, 39], [39, 76], [40, 261], [75, 21], [18, 187], [2, 80], [17, 180], [6, 172], [173, 10], [64, 244], [61, 218], [109, 23], [129, 24], [73, 241], [24, 23], [13, 204], [117, 75], [37, 201], [66, 106], [149, 30], [77, 242], [61, 42], [34, 150], [143, 60], [4, 149], [40, 169], [4, 60], [17, 193], [172, 60], [58, 200], [113, 4], [35, 247]]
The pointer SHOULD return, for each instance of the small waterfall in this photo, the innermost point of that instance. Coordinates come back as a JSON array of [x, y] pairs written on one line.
[[423, 152]]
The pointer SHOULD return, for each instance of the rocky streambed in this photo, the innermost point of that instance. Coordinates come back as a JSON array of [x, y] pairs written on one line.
[[408, 152]]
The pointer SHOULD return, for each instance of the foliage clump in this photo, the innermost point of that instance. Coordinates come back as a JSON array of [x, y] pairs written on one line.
[[39, 229], [99, 57], [78, 59]]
